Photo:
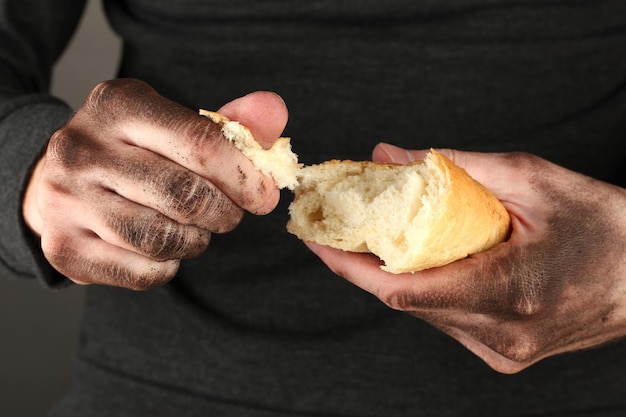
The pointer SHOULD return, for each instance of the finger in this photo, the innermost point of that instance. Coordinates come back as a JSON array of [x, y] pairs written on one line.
[[142, 230], [448, 301], [123, 217], [263, 112], [363, 270], [155, 182], [131, 112], [83, 257], [71, 245], [477, 284]]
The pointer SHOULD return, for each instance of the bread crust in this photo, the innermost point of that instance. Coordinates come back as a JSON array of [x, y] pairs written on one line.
[[455, 216]]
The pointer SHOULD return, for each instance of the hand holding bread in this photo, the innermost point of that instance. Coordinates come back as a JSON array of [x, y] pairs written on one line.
[[134, 183], [413, 217], [556, 285]]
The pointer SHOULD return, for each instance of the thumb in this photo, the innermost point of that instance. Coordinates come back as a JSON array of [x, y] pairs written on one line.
[[263, 112], [385, 152]]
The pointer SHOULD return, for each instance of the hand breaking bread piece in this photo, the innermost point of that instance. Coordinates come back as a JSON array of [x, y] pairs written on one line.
[[279, 161], [413, 217]]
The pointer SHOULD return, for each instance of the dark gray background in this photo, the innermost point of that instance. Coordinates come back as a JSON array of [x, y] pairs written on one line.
[[38, 327]]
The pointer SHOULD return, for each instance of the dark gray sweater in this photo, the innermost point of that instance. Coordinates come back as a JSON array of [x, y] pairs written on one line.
[[257, 326]]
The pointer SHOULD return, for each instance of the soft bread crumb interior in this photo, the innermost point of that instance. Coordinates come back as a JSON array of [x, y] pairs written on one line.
[[357, 206], [279, 161]]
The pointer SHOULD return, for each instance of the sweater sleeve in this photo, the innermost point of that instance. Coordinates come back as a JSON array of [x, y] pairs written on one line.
[[33, 33]]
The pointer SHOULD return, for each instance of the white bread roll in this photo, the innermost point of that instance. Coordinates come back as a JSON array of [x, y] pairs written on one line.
[[413, 217]]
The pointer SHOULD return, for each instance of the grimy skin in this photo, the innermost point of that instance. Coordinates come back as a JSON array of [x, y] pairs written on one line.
[[134, 183], [556, 285]]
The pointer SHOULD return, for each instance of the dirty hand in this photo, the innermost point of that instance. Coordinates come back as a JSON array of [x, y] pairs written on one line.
[[135, 182], [558, 284]]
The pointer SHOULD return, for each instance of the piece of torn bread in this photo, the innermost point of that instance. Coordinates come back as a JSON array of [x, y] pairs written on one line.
[[413, 217], [279, 161]]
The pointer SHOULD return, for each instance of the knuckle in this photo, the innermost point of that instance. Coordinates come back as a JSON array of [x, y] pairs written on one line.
[[116, 89], [58, 250], [204, 135], [102, 94], [530, 289], [520, 282], [519, 348], [64, 148], [107, 97], [170, 242], [204, 142], [160, 238], [397, 300], [195, 201], [188, 194], [160, 241]]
